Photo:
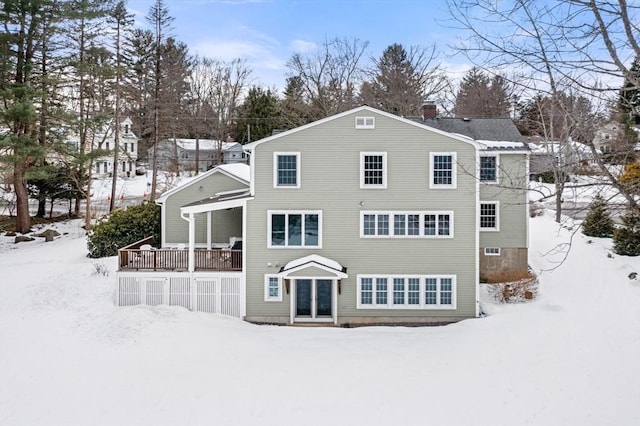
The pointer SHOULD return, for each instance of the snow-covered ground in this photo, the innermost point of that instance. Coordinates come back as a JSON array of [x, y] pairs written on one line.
[[69, 356]]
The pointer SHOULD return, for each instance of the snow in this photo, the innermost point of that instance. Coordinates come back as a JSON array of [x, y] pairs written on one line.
[[503, 144], [69, 356]]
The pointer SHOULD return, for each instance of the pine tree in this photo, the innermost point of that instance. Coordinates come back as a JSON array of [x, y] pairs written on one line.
[[626, 239], [598, 222], [258, 115], [482, 96]]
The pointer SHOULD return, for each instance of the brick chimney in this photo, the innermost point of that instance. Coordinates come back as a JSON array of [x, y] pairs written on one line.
[[429, 110]]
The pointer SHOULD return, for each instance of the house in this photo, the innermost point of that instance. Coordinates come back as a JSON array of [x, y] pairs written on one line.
[[360, 218], [182, 152], [127, 154], [569, 156]]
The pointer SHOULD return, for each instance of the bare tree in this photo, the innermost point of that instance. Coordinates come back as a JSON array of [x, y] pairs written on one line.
[[330, 75], [552, 47]]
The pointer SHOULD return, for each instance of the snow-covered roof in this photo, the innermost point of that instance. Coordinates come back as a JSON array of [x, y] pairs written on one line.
[[238, 171], [504, 145], [321, 262], [205, 144]]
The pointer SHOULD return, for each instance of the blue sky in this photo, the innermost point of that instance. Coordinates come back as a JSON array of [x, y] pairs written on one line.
[[267, 32]]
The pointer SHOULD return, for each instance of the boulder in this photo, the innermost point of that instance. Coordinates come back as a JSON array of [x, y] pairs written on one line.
[[22, 239]]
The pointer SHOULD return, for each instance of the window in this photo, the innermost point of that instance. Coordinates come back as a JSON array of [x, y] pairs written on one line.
[[295, 229], [132, 147], [124, 147], [373, 170], [406, 292], [97, 167], [489, 216], [104, 167], [365, 123], [107, 146], [126, 128], [443, 172], [286, 170], [407, 224], [272, 288], [492, 251], [489, 169]]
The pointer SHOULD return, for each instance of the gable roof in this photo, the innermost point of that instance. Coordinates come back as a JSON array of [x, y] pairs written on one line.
[[238, 171], [204, 144], [463, 138]]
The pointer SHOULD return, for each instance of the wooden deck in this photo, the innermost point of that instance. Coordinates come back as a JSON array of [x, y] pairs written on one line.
[[139, 256]]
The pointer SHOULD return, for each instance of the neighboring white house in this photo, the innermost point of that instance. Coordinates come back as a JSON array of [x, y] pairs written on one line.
[[105, 139], [547, 155], [182, 152]]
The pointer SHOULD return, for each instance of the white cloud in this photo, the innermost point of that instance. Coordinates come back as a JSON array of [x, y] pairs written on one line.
[[301, 46]]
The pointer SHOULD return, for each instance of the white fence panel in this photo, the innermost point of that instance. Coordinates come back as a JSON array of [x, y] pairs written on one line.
[[221, 294], [179, 292], [129, 293]]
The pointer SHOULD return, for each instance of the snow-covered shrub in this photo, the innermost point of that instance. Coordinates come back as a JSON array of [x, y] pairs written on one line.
[[626, 238], [124, 227], [598, 222], [511, 287]]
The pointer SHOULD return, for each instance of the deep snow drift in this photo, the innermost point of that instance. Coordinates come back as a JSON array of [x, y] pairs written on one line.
[[68, 356]]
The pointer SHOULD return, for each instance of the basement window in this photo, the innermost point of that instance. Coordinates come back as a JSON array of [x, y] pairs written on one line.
[[492, 251]]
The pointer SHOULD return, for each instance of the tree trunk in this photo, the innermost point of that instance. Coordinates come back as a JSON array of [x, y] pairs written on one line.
[[42, 207], [23, 220]]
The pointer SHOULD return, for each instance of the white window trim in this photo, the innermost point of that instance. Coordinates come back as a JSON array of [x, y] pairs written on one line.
[[384, 170], [497, 227], [372, 124], [421, 214], [275, 170], [270, 213], [420, 306], [491, 182], [488, 252], [453, 184], [267, 297]]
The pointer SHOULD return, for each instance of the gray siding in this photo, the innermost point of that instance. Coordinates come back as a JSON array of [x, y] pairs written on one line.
[[330, 182], [512, 194], [224, 223]]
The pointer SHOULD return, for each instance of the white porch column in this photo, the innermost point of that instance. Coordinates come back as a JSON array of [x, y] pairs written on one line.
[[192, 242], [209, 230]]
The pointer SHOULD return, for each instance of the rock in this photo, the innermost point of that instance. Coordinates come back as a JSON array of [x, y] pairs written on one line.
[[633, 275], [10, 234], [48, 232], [22, 239]]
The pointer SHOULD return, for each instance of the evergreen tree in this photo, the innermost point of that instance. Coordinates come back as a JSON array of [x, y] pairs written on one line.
[[598, 222], [295, 109], [629, 100], [626, 239], [482, 96], [259, 115]]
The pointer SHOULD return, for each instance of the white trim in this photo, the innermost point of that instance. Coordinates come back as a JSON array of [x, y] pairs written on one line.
[[270, 214], [275, 170], [200, 177], [384, 170], [367, 122], [497, 166], [267, 293], [454, 170], [390, 290], [314, 316], [421, 227], [497, 216], [492, 251], [252, 146], [215, 205]]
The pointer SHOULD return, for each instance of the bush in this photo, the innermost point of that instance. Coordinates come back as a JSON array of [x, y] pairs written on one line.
[[598, 222], [630, 179], [626, 239], [124, 227], [513, 287]]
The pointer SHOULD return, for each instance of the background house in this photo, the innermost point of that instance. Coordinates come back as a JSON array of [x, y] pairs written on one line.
[[180, 154]]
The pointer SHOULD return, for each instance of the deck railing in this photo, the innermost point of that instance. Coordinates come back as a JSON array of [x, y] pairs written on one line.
[[137, 257]]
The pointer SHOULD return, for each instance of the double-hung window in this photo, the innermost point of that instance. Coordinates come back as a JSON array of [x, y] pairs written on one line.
[[406, 292], [438, 224], [443, 170], [272, 288], [365, 122], [373, 170], [295, 229], [286, 170], [489, 216], [489, 168]]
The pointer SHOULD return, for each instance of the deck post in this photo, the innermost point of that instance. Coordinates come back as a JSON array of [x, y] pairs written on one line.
[[192, 242], [209, 230]]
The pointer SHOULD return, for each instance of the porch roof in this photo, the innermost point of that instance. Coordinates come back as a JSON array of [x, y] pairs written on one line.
[[220, 201], [316, 261]]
